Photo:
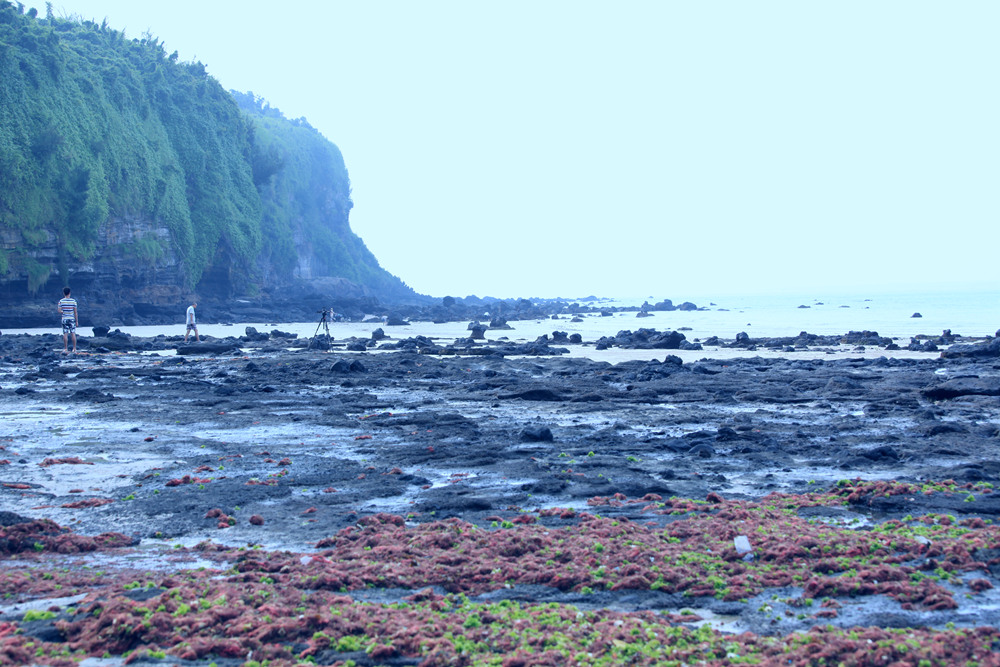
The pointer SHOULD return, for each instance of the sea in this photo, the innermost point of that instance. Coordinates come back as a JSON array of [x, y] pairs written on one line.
[[902, 315]]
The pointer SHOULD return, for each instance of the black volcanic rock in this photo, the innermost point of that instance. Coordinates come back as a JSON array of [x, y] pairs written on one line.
[[988, 349]]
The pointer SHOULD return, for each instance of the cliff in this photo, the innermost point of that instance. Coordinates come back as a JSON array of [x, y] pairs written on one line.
[[141, 183]]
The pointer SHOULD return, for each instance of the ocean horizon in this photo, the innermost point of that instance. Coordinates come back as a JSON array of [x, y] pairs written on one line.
[[965, 312]]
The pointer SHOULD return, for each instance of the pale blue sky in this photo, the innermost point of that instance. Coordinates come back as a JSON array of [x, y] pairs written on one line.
[[567, 148]]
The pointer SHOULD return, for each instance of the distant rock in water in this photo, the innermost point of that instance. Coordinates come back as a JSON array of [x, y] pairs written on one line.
[[643, 339], [916, 315], [925, 346]]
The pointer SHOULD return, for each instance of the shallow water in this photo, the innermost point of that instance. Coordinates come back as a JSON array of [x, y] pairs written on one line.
[[967, 313]]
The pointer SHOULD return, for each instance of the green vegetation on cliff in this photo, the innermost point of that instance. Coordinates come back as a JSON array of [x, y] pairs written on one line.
[[306, 197], [97, 127]]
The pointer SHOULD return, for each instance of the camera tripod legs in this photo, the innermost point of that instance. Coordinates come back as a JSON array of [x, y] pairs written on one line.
[[326, 328]]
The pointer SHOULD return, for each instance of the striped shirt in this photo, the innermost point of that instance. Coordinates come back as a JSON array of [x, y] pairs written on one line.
[[67, 306]]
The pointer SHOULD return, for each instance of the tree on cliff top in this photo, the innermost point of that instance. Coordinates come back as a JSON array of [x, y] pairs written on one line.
[[96, 125]]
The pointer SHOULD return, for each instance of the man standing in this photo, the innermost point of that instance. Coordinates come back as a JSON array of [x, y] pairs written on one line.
[[67, 310], [192, 325]]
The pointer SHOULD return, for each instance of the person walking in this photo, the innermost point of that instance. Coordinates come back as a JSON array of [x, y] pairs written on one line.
[[70, 319], [192, 324]]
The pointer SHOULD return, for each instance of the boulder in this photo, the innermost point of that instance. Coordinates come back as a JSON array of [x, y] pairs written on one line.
[[321, 342], [536, 434], [255, 336], [118, 341], [666, 304], [963, 387], [987, 349], [536, 395], [883, 453], [702, 450], [669, 340], [92, 395]]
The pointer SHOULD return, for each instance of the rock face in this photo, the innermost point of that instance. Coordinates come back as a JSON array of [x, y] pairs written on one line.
[[122, 286], [126, 277]]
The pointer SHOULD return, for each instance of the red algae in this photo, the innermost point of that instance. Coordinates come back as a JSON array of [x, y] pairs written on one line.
[[71, 460], [90, 502], [44, 535], [286, 608]]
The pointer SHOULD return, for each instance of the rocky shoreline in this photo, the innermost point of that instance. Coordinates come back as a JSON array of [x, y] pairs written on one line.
[[302, 302], [271, 447]]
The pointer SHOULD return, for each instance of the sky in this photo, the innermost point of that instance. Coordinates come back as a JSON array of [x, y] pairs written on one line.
[[677, 149]]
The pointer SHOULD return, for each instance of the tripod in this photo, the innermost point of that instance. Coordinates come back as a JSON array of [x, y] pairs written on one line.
[[324, 323]]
